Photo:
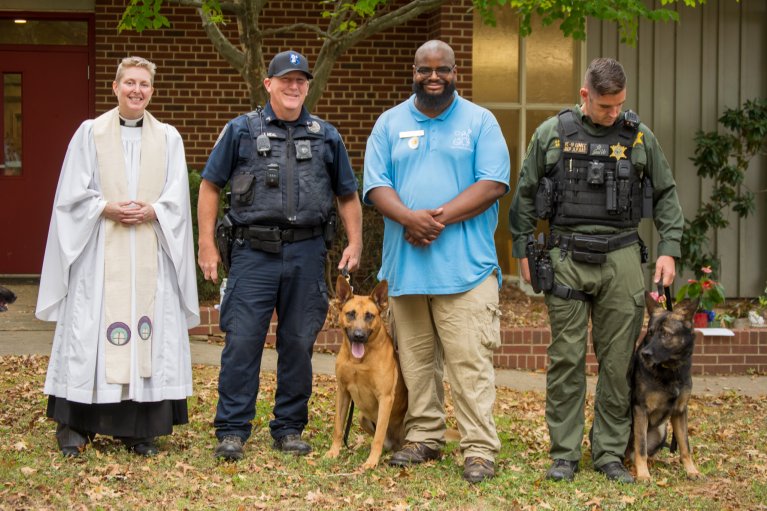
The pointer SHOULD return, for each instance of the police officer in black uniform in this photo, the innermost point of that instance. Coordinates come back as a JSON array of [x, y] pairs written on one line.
[[288, 171], [593, 171]]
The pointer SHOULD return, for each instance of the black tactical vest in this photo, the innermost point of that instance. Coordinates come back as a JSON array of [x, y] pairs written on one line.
[[281, 178], [594, 181]]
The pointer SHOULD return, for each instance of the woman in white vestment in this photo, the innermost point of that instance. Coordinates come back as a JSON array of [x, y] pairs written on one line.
[[119, 278]]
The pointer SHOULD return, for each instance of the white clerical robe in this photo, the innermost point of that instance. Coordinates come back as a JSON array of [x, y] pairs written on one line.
[[72, 280]]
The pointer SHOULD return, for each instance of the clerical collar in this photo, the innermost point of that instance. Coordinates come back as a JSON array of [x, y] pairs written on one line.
[[132, 123]]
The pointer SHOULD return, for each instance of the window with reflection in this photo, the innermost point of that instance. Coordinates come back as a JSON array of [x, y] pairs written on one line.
[[523, 81], [11, 125], [54, 32]]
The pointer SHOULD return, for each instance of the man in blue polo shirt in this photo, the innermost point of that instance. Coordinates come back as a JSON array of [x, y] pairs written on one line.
[[435, 167], [287, 170]]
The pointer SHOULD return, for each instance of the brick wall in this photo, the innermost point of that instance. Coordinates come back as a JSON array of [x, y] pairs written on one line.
[[525, 348], [198, 92]]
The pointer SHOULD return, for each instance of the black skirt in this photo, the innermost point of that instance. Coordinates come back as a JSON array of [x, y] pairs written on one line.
[[123, 419]]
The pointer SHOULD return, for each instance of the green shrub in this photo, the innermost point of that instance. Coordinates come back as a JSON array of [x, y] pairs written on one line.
[[206, 289], [724, 158]]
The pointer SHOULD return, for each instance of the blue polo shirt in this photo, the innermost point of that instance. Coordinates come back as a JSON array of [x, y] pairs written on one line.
[[428, 162], [223, 159]]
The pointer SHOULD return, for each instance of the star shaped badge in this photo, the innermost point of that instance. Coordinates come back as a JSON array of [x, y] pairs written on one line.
[[618, 151]]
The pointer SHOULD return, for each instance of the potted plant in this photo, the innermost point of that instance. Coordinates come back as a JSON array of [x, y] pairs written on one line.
[[757, 316], [710, 292]]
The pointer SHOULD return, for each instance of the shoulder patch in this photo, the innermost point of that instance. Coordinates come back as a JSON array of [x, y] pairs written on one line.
[[221, 135]]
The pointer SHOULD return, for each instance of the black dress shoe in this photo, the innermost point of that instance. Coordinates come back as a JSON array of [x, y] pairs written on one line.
[[139, 445], [292, 444], [147, 448], [562, 470], [414, 453], [72, 451], [615, 471]]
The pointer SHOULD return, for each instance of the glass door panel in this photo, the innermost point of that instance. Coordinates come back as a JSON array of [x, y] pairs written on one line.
[[10, 163]]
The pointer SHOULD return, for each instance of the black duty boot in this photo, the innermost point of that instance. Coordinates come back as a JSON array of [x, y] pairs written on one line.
[[562, 470], [615, 471], [229, 448], [292, 444]]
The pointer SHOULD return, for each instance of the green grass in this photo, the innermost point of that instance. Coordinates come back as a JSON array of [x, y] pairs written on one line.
[[728, 434]]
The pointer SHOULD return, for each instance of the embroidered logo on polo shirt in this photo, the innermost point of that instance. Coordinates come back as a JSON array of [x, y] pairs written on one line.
[[462, 140]]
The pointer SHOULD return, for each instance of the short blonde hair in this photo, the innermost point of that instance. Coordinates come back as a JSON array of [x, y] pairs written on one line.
[[128, 62]]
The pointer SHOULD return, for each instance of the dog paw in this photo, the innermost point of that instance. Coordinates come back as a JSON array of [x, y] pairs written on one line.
[[369, 465], [643, 478], [695, 475], [332, 453]]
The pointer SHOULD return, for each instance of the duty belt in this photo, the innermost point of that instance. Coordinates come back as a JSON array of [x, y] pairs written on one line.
[[270, 238], [592, 248]]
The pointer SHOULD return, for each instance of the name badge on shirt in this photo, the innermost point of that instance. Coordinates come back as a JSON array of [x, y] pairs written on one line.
[[413, 136]]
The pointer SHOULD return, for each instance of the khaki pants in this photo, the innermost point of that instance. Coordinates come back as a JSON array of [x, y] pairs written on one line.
[[463, 328]]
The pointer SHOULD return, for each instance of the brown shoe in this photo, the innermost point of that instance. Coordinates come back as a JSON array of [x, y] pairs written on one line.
[[476, 469], [414, 453]]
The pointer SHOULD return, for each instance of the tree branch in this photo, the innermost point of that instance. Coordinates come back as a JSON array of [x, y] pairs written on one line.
[[391, 19], [226, 49], [227, 7], [295, 27]]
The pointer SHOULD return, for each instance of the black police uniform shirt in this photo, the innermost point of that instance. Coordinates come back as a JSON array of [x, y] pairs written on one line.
[[223, 159]]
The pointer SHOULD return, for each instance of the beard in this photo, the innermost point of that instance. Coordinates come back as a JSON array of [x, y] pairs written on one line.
[[434, 101]]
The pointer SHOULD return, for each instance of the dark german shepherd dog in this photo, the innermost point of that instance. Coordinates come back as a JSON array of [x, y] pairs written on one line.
[[662, 384], [6, 296]]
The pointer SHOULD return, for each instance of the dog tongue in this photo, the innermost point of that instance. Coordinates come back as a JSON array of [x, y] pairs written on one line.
[[358, 349]]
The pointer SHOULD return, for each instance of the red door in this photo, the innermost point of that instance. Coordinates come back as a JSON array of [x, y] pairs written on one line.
[[53, 90]]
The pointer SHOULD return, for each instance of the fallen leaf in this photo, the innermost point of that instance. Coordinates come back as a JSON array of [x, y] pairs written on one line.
[[28, 471]]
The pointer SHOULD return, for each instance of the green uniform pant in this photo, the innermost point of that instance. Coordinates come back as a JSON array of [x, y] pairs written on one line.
[[616, 313]]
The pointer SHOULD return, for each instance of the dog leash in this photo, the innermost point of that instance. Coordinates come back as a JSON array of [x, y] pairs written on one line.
[[347, 430], [345, 274], [665, 292]]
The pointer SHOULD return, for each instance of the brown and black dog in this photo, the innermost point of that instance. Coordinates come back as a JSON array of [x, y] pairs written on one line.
[[662, 384], [368, 372]]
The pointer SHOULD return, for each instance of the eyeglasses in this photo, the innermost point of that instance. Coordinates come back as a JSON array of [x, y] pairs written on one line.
[[442, 71]]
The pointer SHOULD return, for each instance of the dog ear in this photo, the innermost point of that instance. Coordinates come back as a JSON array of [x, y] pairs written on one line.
[[686, 309], [343, 290], [650, 302], [380, 295]]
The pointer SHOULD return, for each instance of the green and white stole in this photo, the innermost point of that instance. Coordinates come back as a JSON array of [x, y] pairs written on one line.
[[122, 325]]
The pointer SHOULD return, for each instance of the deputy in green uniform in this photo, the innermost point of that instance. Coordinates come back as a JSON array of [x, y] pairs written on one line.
[[593, 171]]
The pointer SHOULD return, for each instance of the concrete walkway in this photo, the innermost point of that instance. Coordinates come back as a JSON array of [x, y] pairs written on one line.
[[22, 334]]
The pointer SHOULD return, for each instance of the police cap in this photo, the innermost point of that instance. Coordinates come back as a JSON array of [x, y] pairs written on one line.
[[288, 61]]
